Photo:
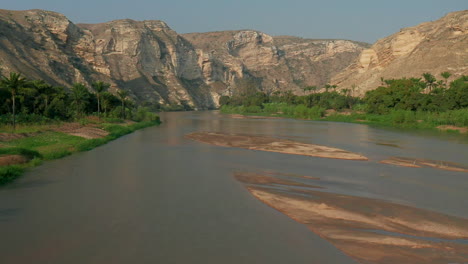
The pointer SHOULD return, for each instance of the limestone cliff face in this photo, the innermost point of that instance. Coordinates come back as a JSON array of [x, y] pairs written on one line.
[[432, 47], [156, 64], [41, 44], [277, 63], [150, 60]]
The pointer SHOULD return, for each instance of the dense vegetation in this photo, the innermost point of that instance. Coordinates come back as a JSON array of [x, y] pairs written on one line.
[[35, 101], [38, 110], [415, 102]]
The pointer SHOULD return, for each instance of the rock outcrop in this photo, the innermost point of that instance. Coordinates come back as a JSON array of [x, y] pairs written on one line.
[[276, 63], [155, 64], [432, 47]]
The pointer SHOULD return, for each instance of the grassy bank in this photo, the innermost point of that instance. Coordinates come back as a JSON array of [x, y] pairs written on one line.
[[394, 118], [46, 144]]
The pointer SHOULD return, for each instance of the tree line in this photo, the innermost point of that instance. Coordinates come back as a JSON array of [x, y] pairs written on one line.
[[413, 94], [34, 100]]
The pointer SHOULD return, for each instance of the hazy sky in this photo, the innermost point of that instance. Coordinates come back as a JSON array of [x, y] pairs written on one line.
[[363, 20]]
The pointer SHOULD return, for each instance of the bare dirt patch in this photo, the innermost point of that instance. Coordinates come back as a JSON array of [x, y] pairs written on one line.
[[370, 230], [460, 129], [420, 163], [12, 136], [6, 160], [76, 129], [265, 143]]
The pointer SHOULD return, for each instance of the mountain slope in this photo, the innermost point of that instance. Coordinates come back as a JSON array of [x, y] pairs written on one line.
[[432, 47], [277, 63], [155, 64]]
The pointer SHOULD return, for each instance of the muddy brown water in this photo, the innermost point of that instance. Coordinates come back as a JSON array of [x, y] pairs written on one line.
[[157, 197]]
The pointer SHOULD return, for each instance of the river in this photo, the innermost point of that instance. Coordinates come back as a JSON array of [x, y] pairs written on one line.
[[156, 197]]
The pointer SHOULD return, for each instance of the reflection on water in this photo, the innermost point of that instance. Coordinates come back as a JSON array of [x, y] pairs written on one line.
[[154, 196]]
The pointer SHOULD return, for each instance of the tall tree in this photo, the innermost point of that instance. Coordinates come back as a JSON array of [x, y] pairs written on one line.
[[106, 98], [430, 80], [13, 84], [310, 88], [446, 76], [79, 96], [45, 94], [100, 87], [122, 95]]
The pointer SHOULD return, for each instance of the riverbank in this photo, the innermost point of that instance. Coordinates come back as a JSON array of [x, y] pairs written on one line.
[[453, 121], [32, 145]]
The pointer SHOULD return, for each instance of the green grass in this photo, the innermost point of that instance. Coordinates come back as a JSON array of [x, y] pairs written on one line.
[[49, 145]]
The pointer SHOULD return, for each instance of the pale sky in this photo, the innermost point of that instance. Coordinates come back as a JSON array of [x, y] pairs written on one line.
[[361, 20]]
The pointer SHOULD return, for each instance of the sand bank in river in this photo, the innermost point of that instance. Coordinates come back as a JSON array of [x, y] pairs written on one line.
[[420, 163], [272, 144], [369, 230]]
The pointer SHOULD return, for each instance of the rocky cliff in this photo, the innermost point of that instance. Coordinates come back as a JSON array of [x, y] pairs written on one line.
[[432, 47], [276, 63], [156, 64]]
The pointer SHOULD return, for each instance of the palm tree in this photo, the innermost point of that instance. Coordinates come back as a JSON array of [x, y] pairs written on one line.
[[353, 88], [345, 92], [100, 87], [122, 95], [105, 101], [446, 75], [312, 88], [45, 93], [79, 96], [430, 80], [13, 84]]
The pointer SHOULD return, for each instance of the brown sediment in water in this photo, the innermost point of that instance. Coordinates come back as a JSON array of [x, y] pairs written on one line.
[[6, 160], [420, 163], [275, 173], [255, 178], [237, 116], [371, 230], [265, 143]]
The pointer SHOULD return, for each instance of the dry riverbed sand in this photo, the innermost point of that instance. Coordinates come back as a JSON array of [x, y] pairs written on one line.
[[369, 230], [272, 144]]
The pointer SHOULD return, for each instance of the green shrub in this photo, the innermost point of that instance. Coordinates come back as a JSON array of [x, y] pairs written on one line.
[[28, 153], [9, 173]]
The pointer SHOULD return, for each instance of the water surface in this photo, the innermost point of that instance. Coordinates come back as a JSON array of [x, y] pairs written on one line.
[[157, 197]]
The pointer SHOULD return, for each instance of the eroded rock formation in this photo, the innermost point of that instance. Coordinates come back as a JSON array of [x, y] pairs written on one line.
[[156, 64], [432, 47]]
